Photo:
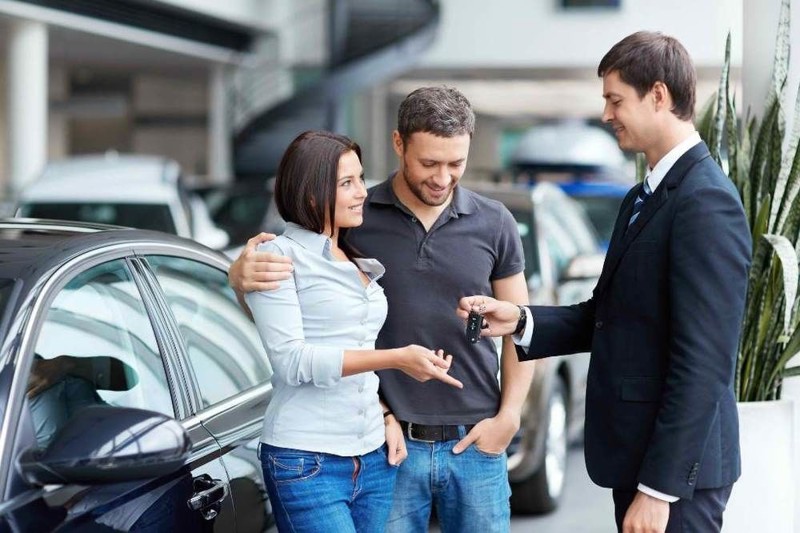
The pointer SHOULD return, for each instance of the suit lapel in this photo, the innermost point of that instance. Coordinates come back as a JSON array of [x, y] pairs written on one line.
[[623, 235]]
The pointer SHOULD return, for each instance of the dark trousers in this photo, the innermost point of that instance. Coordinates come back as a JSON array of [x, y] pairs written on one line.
[[701, 514]]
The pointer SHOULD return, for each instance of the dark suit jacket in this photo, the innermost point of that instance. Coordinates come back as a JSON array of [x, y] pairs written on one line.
[[663, 327]]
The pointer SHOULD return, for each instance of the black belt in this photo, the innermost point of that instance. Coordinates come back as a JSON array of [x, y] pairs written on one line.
[[428, 433]]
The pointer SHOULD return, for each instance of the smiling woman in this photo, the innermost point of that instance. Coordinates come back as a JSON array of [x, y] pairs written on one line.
[[325, 431]]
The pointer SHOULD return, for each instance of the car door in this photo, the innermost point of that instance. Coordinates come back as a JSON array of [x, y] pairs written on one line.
[[99, 341], [226, 362]]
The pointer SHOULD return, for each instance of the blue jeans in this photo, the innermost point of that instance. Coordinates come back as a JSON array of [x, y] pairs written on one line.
[[470, 490], [320, 492]]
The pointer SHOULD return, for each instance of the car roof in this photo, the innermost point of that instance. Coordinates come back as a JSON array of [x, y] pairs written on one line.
[[113, 166], [108, 177], [569, 145], [31, 247], [515, 196]]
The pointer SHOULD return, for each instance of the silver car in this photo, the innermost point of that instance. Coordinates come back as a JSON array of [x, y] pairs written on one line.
[[562, 265]]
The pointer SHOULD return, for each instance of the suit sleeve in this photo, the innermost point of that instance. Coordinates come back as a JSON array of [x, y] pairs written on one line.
[[710, 252], [560, 330]]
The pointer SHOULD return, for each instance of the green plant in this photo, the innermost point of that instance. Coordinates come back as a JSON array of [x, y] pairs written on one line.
[[765, 167]]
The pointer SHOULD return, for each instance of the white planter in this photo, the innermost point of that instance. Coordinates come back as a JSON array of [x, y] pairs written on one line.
[[791, 391], [763, 498]]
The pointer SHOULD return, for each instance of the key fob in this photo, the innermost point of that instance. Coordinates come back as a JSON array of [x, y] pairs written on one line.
[[474, 327]]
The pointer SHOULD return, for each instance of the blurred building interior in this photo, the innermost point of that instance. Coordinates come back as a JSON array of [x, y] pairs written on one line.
[[222, 87]]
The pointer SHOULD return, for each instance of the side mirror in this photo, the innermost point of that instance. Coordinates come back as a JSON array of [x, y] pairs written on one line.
[[103, 444], [584, 266]]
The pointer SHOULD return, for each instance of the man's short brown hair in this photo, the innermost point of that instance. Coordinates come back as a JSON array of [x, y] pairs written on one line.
[[644, 58]]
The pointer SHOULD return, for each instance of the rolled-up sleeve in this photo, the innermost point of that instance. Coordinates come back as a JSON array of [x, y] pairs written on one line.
[[279, 321]]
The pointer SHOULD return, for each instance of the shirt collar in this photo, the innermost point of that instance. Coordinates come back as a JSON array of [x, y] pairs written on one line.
[[383, 193], [656, 174], [315, 242]]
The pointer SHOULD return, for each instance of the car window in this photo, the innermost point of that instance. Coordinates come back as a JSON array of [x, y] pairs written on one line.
[[602, 211], [142, 216], [527, 234], [569, 215], [225, 351], [96, 347]]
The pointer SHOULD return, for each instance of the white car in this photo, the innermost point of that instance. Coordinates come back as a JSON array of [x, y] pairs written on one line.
[[143, 192]]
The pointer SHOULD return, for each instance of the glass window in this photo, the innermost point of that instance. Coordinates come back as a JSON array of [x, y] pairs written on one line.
[[142, 216], [527, 233], [96, 347], [225, 351]]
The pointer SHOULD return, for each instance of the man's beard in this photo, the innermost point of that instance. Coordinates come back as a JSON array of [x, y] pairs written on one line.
[[419, 190]]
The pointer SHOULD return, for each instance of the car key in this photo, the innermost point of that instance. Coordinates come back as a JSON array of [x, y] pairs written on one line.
[[474, 326]]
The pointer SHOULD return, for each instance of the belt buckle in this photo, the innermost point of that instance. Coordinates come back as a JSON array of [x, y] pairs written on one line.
[[411, 437]]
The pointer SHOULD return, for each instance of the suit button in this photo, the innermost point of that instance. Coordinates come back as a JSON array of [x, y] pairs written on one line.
[[599, 324]]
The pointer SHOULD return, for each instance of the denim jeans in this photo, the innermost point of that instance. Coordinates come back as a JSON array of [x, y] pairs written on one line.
[[470, 490], [320, 492]]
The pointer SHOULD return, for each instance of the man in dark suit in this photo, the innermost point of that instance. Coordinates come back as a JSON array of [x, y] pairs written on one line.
[[664, 321]]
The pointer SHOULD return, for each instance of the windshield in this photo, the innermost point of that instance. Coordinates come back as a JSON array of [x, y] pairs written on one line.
[[141, 216], [527, 233], [602, 211]]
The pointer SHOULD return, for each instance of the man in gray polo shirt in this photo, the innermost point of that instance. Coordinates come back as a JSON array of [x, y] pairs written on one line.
[[438, 242]]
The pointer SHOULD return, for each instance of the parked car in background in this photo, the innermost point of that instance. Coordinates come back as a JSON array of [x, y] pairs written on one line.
[[132, 386], [585, 161], [243, 208], [601, 200], [562, 265], [143, 192]]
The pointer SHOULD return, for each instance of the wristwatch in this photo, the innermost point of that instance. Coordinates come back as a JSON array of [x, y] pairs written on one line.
[[523, 319]]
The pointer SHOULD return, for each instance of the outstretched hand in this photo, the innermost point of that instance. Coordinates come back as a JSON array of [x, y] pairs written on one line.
[[500, 318], [423, 365], [258, 271]]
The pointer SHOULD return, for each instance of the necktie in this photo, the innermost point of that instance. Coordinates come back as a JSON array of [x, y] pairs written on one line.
[[644, 194]]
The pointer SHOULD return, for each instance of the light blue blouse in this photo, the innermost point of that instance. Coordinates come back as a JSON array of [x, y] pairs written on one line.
[[306, 325]]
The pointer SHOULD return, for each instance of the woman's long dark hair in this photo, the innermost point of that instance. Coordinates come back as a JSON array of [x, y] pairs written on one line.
[[305, 187]]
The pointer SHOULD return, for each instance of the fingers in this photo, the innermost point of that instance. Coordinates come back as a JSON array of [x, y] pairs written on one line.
[[441, 365], [477, 303], [440, 361], [466, 442], [269, 262], [450, 380], [261, 286], [397, 452], [253, 242]]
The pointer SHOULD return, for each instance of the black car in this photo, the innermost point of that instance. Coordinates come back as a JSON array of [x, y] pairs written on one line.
[[132, 386]]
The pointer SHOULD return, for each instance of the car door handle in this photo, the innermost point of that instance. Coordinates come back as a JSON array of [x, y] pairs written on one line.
[[214, 491]]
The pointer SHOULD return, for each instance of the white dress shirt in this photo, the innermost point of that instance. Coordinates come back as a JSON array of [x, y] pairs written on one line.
[[654, 178]]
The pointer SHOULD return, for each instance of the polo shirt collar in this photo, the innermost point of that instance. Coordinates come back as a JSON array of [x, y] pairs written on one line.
[[314, 242], [383, 193]]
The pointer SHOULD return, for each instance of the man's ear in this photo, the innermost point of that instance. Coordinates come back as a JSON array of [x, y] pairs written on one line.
[[661, 96], [397, 144]]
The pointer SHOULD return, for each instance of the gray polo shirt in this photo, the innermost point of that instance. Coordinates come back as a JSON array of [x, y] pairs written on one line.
[[474, 242]]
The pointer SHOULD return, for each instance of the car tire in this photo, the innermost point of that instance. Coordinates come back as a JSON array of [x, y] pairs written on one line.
[[542, 492]]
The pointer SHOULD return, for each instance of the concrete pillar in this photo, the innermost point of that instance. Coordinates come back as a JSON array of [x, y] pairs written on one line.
[[58, 121], [219, 132], [26, 74]]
